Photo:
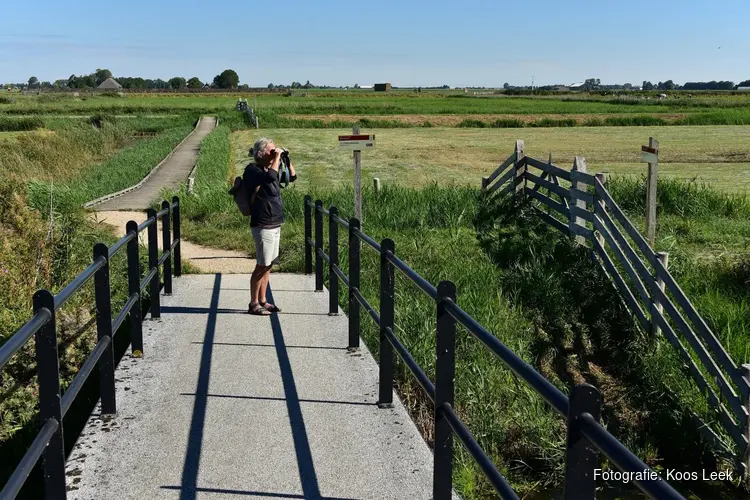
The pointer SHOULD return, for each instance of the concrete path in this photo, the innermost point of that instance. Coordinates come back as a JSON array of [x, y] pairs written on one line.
[[171, 174], [224, 403]]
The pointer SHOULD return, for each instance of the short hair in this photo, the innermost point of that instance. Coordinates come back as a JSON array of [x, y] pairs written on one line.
[[259, 148]]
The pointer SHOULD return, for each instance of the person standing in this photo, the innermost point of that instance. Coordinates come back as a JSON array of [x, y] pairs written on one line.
[[266, 217]]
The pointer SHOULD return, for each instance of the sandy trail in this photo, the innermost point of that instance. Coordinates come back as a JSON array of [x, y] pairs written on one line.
[[205, 259]]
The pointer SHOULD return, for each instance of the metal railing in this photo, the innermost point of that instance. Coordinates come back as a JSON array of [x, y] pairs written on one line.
[[586, 437], [53, 406]]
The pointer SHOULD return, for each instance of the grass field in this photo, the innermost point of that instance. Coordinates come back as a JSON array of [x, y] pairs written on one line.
[[84, 147], [414, 157]]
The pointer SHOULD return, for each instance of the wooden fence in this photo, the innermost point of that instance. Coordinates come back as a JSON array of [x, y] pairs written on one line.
[[579, 205]]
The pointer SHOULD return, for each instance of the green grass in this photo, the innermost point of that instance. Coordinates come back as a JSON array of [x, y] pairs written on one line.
[[418, 156]]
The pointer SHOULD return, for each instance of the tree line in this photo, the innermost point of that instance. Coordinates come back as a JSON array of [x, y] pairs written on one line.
[[227, 79]]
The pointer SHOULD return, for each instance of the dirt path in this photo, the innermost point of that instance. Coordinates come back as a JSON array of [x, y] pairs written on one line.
[[205, 259], [171, 174]]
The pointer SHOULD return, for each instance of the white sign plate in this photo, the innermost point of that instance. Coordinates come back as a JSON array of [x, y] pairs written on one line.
[[356, 142], [647, 157]]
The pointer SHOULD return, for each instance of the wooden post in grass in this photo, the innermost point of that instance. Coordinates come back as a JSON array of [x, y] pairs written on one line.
[[519, 179], [376, 184], [650, 155], [656, 307], [746, 454], [579, 165], [357, 180]]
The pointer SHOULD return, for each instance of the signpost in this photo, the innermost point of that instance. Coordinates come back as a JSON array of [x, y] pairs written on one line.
[[650, 155], [357, 142]]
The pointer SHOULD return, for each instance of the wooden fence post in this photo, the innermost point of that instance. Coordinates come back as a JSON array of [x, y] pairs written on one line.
[[600, 205], [656, 307], [579, 165], [376, 184], [519, 179], [653, 174]]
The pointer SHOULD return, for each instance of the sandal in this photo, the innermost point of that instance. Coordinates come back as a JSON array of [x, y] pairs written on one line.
[[270, 307], [258, 310]]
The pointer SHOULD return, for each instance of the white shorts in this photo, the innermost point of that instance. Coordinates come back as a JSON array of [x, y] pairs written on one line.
[[266, 244]]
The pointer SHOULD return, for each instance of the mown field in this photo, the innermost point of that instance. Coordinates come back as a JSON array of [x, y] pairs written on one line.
[[57, 151]]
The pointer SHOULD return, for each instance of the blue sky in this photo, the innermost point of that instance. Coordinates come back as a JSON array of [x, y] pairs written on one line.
[[335, 42]]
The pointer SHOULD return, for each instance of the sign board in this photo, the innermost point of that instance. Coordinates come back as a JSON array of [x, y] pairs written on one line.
[[356, 142], [649, 155]]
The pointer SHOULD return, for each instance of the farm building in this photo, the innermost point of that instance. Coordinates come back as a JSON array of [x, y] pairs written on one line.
[[382, 87], [110, 84], [745, 89]]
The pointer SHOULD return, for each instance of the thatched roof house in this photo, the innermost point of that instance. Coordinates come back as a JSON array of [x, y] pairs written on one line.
[[110, 84]]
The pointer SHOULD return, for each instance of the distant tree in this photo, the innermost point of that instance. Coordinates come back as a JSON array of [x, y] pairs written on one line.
[[228, 79], [270, 86], [46, 85], [177, 83], [746, 83], [591, 84], [194, 83], [60, 84], [647, 85], [33, 82], [244, 86], [506, 85], [356, 85], [100, 75], [669, 85], [308, 85], [296, 85]]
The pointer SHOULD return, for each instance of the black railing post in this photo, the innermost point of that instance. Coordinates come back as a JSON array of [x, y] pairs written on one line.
[[581, 456], [176, 236], [318, 246], [153, 263], [445, 369], [102, 294], [308, 234], [167, 244], [48, 370], [333, 239], [134, 287], [387, 282], [354, 308]]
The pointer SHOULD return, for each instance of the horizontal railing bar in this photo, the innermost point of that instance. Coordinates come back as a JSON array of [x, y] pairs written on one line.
[[174, 204], [361, 299], [410, 273], [584, 177], [147, 279], [341, 222], [340, 274], [422, 379], [362, 236], [620, 284], [548, 167], [634, 234], [124, 313], [624, 459], [582, 213], [310, 241], [121, 243], [29, 460], [16, 342], [319, 251], [582, 231], [174, 244], [555, 188], [561, 226], [725, 417], [322, 210], [80, 280], [508, 161], [557, 206], [161, 213], [541, 385], [712, 438], [75, 387], [480, 457], [703, 330], [143, 225], [502, 180], [164, 257]]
